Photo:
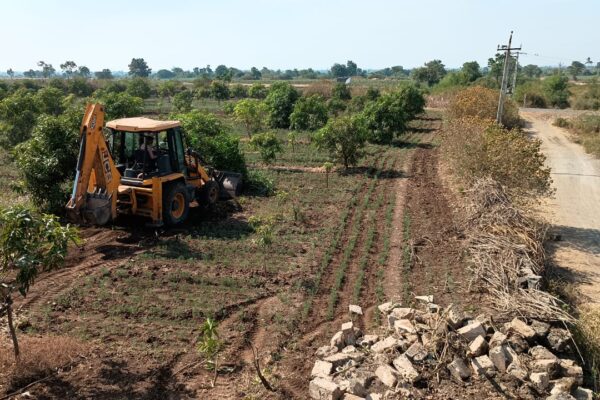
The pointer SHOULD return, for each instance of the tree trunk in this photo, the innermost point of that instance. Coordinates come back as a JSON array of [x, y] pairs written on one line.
[[11, 327]]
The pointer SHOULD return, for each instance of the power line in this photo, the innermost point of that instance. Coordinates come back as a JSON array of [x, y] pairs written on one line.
[[503, 88]]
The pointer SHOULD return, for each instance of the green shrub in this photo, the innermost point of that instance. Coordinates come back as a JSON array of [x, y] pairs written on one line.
[[120, 105], [336, 106], [268, 145], [531, 94], [239, 91], [258, 184], [258, 91], [341, 91], [18, 113], [562, 122], [344, 138], [556, 91], [139, 87], [50, 100], [219, 90], [589, 99], [280, 104], [386, 117], [47, 160], [206, 134], [80, 87], [310, 113], [251, 113], [182, 101]]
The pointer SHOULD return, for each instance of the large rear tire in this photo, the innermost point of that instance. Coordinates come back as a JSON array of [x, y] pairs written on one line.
[[209, 194], [176, 204]]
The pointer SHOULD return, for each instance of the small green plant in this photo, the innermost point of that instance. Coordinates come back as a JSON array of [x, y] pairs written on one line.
[[268, 145], [209, 346], [30, 243], [264, 229], [292, 140], [252, 114]]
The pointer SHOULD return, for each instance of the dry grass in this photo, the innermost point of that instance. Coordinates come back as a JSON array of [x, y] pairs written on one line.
[[322, 87], [506, 246], [39, 358], [587, 334], [480, 102]]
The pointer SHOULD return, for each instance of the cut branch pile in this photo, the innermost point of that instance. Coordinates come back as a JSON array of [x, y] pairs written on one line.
[[507, 254]]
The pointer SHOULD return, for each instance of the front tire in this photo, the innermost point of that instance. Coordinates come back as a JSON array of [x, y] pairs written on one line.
[[176, 204], [209, 194]]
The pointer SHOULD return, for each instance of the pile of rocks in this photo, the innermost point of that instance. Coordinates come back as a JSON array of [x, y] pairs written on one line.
[[417, 345]]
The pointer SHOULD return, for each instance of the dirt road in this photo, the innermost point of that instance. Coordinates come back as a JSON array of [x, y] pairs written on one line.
[[575, 209]]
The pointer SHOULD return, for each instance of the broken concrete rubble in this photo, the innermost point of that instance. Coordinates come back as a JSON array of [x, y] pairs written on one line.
[[388, 363]]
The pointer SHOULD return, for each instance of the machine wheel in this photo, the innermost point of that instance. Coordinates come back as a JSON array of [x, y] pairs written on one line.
[[176, 204], [209, 194]]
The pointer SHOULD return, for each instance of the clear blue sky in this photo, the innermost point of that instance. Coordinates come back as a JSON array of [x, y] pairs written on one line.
[[292, 33]]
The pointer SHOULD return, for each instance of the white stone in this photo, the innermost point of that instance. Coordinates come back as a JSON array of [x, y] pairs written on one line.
[[549, 366], [562, 385], [583, 394], [570, 369], [337, 340], [374, 396], [324, 389], [322, 369], [387, 375], [389, 342], [472, 330], [560, 396], [368, 340], [541, 328], [416, 352], [482, 366], [498, 339], [520, 327], [558, 339], [399, 313], [350, 396], [337, 359], [458, 369], [385, 308], [541, 353], [354, 309], [499, 358], [517, 371], [348, 349], [540, 380], [425, 299], [478, 346], [325, 351], [405, 369], [403, 326], [455, 317]]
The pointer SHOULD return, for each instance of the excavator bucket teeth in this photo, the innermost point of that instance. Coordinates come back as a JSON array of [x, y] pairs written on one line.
[[230, 184]]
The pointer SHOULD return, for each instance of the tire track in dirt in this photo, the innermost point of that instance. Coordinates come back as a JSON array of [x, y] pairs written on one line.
[[102, 247]]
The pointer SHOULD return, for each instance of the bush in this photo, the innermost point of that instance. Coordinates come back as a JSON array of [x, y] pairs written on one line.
[[587, 130], [268, 145], [239, 91], [252, 113], [18, 113], [258, 184], [182, 101], [206, 134], [139, 87], [120, 105], [310, 113], [556, 91], [219, 90], [482, 103], [344, 138], [50, 100], [258, 91], [341, 91], [562, 122], [479, 148], [80, 87], [280, 104], [47, 161], [589, 99], [386, 117], [531, 94], [412, 100]]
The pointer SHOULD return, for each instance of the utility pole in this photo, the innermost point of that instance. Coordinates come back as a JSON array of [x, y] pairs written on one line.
[[505, 78], [514, 80]]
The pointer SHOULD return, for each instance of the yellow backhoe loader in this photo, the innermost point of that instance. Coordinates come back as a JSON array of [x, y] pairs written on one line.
[[139, 166]]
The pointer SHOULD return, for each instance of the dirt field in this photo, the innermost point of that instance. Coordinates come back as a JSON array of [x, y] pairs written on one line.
[[135, 299], [574, 210]]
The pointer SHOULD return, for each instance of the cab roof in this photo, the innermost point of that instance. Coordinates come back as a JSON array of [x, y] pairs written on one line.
[[141, 124]]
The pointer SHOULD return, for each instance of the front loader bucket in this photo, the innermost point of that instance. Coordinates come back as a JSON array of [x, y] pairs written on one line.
[[230, 184], [96, 211]]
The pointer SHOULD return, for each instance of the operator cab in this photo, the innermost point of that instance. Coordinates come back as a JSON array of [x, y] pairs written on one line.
[[144, 148]]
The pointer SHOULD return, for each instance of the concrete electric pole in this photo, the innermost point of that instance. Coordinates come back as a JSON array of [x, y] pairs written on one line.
[[505, 77]]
